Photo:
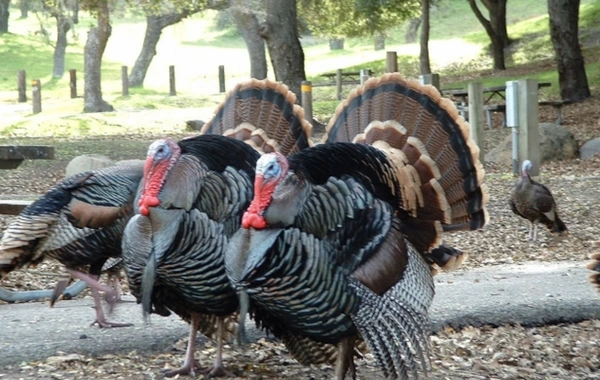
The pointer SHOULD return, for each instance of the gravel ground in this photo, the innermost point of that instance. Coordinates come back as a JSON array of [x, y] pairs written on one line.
[[510, 352]]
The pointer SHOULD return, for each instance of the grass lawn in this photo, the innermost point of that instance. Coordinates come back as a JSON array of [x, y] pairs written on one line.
[[197, 48]]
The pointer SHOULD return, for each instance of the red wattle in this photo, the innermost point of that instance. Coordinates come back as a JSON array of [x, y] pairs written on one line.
[[251, 219]]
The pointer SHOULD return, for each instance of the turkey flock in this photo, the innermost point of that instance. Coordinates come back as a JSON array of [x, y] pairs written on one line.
[[329, 247]]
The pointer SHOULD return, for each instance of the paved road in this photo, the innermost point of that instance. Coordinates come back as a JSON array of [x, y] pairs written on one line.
[[531, 294]]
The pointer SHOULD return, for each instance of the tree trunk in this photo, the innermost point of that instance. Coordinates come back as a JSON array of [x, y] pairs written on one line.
[[336, 44], [4, 13], [280, 32], [379, 42], [93, 51], [564, 18], [247, 23], [424, 63], [63, 25], [497, 10], [497, 44], [154, 28], [24, 8], [411, 30]]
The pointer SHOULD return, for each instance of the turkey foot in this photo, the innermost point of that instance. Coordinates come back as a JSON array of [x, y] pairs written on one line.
[[111, 295], [217, 370], [188, 368]]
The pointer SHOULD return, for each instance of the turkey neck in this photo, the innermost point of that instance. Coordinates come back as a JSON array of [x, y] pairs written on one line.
[[288, 200], [182, 183]]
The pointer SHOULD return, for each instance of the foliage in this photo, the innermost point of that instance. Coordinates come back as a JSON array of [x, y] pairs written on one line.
[[354, 18]]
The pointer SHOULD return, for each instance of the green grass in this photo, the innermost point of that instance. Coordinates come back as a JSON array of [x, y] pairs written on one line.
[[197, 47]]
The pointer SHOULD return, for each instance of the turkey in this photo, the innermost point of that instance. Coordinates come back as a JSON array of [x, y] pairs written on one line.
[[340, 238], [594, 265], [533, 201], [48, 228], [192, 199]]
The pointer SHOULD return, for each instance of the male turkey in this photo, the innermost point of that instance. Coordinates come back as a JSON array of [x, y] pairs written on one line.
[[337, 242], [192, 199], [594, 265], [48, 229], [533, 201]]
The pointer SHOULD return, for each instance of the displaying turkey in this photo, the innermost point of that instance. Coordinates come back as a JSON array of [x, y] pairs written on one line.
[[338, 241], [48, 229], [192, 199], [594, 265], [533, 201]]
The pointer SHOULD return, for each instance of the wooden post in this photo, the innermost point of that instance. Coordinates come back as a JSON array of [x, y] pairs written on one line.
[[221, 78], [124, 81], [338, 83], [172, 91], [476, 115], [529, 129], [391, 62], [306, 89], [21, 81], [73, 83], [36, 95]]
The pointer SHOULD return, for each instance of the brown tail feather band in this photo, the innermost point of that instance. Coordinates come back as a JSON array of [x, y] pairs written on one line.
[[434, 139], [267, 106]]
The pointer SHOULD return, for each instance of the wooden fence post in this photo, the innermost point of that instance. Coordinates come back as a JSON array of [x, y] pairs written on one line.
[[306, 89], [36, 96], [21, 81], [529, 129], [391, 62], [476, 115], [338, 83], [73, 83], [221, 78], [172, 91], [124, 81]]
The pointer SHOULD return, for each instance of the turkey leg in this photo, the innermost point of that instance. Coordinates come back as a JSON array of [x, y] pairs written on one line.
[[218, 369], [95, 286], [345, 359], [189, 365]]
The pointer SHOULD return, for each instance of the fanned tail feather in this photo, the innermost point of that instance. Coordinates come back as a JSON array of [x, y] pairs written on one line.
[[427, 141], [262, 113], [594, 265]]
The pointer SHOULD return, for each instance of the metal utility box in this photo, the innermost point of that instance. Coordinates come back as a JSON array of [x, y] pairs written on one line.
[[512, 104]]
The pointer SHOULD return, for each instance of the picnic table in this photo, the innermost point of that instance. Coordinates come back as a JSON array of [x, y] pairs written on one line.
[[11, 156], [348, 77], [499, 93], [462, 94]]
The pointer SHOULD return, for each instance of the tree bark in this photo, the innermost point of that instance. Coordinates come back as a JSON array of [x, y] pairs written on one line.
[[412, 29], [93, 51], [424, 62], [24, 8], [247, 23], [63, 25], [564, 18], [154, 28], [280, 32], [4, 13], [499, 38]]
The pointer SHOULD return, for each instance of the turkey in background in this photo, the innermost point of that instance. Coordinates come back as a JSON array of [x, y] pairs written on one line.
[[192, 199], [48, 228], [339, 241], [533, 201]]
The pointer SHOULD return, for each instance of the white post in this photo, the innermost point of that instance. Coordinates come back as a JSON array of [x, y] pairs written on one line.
[[512, 120], [476, 115], [529, 133], [432, 79]]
